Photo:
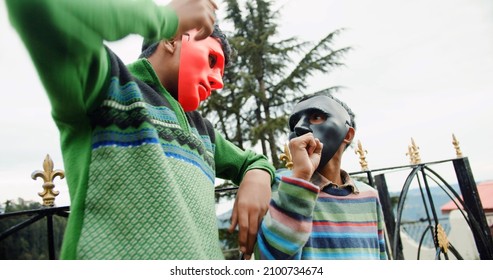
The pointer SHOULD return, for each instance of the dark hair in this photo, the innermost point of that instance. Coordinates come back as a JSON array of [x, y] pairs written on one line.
[[149, 46]]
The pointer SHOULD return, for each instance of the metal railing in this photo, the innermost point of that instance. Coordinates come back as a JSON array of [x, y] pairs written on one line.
[[421, 174], [33, 216]]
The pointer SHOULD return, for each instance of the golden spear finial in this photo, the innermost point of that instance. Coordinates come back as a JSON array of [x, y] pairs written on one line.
[[417, 157], [413, 152], [458, 152], [362, 158], [286, 156], [48, 194], [410, 153]]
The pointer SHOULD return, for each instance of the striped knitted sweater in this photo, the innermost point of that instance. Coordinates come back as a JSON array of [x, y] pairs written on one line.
[[306, 223], [140, 171]]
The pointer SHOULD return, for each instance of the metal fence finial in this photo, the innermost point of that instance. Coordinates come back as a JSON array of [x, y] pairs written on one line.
[[286, 156], [413, 153], [417, 157], [48, 174], [362, 158], [455, 142]]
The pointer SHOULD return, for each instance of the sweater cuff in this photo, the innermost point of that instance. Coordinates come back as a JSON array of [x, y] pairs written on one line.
[[296, 196], [170, 23], [301, 183]]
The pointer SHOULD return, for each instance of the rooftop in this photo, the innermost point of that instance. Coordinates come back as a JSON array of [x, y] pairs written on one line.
[[485, 191]]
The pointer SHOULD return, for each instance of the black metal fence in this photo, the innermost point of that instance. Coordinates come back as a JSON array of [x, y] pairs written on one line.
[[419, 175], [29, 217]]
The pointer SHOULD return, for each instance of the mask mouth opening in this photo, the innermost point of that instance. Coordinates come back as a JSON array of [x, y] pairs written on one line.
[[204, 91]]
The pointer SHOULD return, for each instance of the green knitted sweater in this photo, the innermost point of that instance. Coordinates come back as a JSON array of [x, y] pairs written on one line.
[[140, 171]]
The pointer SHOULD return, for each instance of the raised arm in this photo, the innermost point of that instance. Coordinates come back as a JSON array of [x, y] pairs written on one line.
[[65, 39], [287, 225]]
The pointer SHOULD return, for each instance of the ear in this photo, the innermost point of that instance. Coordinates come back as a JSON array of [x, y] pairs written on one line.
[[169, 46], [349, 135]]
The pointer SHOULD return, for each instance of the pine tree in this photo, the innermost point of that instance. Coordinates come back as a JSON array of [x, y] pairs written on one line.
[[262, 83]]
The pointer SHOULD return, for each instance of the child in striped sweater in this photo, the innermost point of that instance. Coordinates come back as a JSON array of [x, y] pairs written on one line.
[[318, 211]]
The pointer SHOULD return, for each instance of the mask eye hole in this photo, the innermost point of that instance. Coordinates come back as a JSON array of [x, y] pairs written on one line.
[[318, 118], [212, 60]]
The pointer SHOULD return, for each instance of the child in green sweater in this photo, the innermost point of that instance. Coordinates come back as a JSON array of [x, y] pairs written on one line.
[[140, 161]]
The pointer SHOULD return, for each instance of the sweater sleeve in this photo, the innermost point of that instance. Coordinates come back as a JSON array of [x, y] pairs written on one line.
[[65, 41], [287, 225], [232, 162]]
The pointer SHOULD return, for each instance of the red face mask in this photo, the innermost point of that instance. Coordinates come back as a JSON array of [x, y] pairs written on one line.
[[201, 70]]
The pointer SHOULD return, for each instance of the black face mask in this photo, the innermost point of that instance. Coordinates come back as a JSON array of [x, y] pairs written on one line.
[[326, 119]]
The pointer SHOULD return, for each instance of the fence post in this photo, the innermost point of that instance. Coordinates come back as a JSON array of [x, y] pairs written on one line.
[[474, 209], [51, 236], [388, 214]]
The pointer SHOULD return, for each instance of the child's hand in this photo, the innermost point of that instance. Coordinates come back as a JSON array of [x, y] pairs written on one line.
[[306, 151], [195, 14]]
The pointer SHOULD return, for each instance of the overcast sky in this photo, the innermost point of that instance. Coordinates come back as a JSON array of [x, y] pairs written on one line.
[[420, 69]]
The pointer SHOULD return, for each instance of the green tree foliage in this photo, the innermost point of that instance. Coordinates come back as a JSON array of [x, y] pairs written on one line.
[[31, 242], [263, 82]]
